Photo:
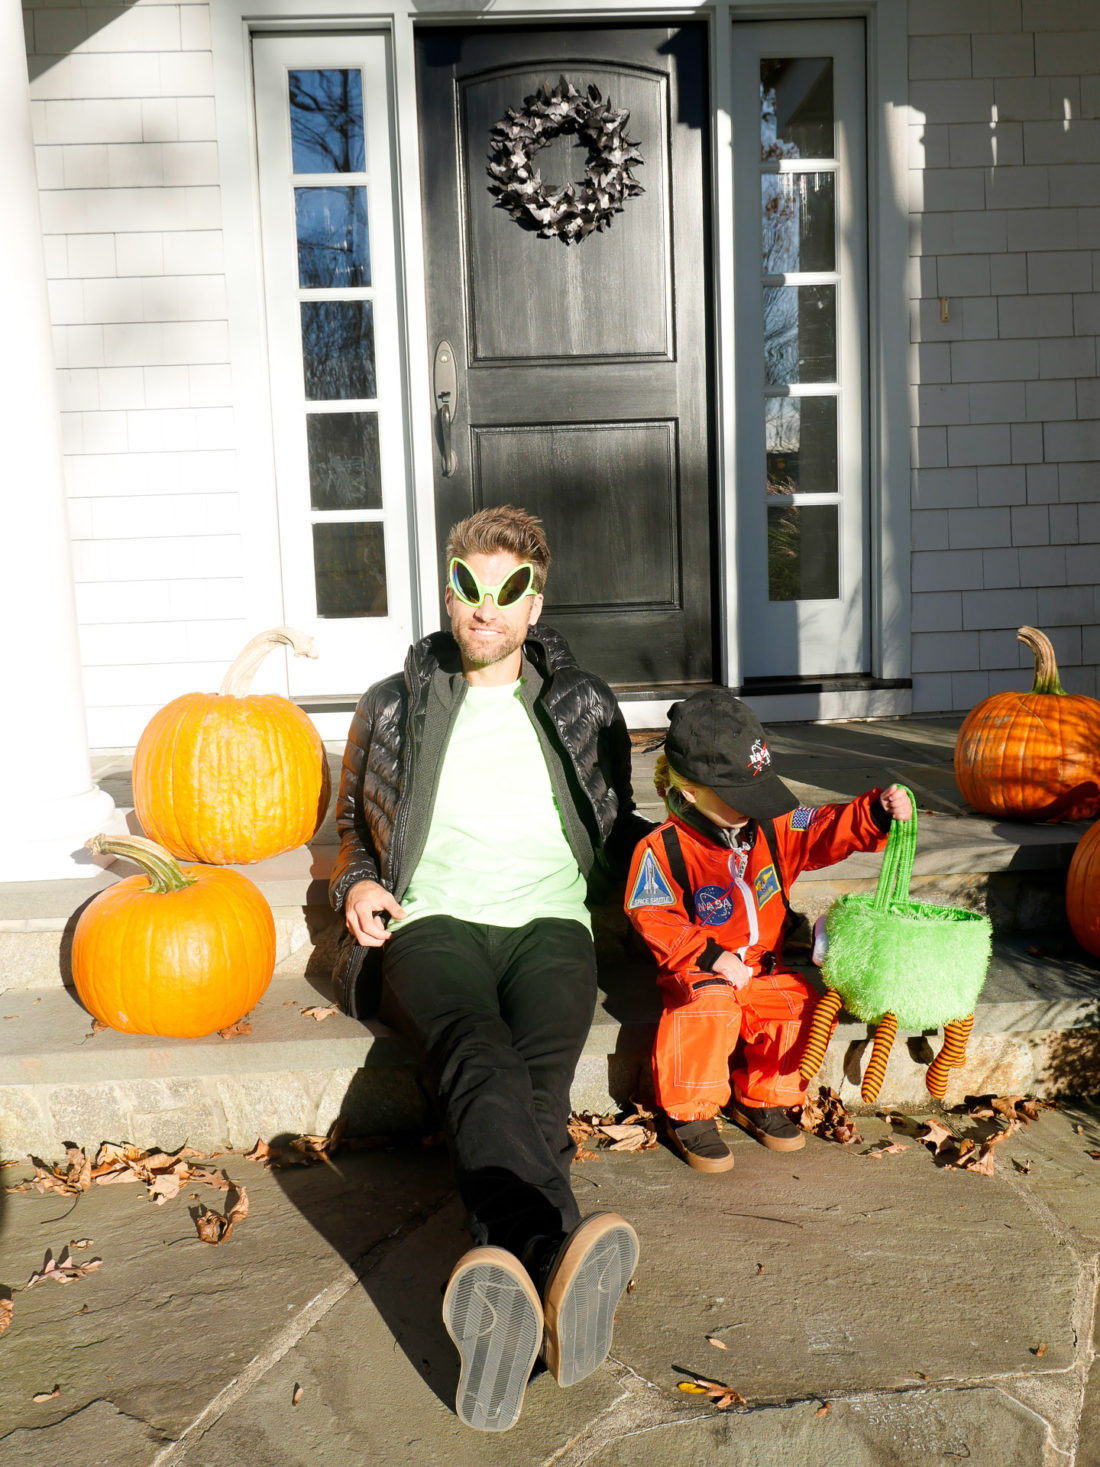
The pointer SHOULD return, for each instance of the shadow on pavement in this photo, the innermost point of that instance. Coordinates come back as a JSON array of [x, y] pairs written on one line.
[[388, 1207]]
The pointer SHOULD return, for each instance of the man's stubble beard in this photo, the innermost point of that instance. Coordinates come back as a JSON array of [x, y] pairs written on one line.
[[474, 654]]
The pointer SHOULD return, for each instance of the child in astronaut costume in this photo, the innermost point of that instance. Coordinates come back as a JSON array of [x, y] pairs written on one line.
[[708, 891]]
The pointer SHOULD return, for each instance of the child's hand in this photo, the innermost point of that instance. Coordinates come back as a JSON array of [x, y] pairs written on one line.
[[730, 967], [896, 802]]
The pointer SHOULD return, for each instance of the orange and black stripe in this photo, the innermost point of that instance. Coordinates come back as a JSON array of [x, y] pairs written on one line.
[[821, 1029], [880, 1054], [951, 1056]]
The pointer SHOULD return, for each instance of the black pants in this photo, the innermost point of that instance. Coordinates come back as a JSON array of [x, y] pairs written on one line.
[[498, 1017]]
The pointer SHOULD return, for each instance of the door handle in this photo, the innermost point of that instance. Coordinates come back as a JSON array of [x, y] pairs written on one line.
[[445, 393]]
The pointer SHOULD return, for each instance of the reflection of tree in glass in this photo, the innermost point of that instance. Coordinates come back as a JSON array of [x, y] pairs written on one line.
[[784, 554], [333, 247], [326, 121], [350, 568], [338, 350], [782, 434]]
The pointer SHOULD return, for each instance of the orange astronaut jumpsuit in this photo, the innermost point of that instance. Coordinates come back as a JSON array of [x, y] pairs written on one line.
[[693, 897]]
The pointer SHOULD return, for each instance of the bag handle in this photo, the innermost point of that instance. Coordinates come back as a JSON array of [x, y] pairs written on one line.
[[897, 860]]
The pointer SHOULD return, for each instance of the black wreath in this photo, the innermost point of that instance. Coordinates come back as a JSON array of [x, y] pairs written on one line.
[[569, 212]]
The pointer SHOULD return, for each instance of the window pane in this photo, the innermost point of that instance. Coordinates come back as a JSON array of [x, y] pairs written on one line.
[[333, 246], [803, 564], [799, 334], [344, 470], [326, 121], [349, 563], [796, 108], [338, 349], [801, 445], [798, 222]]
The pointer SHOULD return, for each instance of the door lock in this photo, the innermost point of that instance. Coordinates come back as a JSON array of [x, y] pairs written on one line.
[[445, 392]]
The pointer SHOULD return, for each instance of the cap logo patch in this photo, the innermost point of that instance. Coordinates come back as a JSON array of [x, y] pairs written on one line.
[[759, 758], [651, 888]]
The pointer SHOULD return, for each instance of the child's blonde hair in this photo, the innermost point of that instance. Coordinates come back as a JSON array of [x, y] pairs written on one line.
[[665, 777]]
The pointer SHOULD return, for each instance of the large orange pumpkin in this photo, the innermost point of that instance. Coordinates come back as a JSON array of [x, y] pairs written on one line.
[[1083, 891], [1036, 755], [179, 952], [233, 777]]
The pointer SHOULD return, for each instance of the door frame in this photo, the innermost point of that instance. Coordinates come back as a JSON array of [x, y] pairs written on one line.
[[887, 690]]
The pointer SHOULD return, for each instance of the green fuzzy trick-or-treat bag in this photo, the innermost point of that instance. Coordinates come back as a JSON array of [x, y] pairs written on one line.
[[888, 955]]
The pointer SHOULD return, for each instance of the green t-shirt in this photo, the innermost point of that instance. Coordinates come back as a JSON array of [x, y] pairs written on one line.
[[496, 851]]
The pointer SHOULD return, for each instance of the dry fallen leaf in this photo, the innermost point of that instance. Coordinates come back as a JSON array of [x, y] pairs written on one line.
[[631, 1286], [5, 1314], [716, 1342], [69, 1181], [1079, 1129], [721, 1395], [1040, 1350], [62, 1270], [80, 1243], [297, 1396], [315, 1011], [47, 1395], [936, 1137], [825, 1409], [260, 1152], [213, 1228], [242, 1026], [691, 1388], [825, 1115], [885, 1148], [1010, 1107], [636, 1131]]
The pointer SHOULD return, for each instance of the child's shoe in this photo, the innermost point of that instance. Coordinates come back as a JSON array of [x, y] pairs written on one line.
[[771, 1125], [699, 1143]]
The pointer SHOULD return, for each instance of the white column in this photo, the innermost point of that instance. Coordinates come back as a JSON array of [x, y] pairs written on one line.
[[48, 803]]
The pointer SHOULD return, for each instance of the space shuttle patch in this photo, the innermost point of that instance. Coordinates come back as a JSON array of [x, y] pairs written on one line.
[[651, 888]]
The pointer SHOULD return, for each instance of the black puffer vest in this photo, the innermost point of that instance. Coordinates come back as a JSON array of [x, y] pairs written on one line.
[[399, 736]]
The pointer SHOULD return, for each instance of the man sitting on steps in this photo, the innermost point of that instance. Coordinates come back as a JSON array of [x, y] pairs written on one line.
[[479, 789]]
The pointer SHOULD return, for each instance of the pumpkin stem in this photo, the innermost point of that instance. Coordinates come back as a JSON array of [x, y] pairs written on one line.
[[163, 870], [238, 679], [1046, 669]]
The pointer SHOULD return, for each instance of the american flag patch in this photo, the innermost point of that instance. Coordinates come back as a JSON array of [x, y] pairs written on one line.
[[803, 817]]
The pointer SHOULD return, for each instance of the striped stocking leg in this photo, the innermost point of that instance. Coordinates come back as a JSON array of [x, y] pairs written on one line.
[[950, 1057], [817, 1041], [880, 1053]]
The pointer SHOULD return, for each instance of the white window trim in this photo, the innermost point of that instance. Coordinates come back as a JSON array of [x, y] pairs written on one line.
[[887, 92]]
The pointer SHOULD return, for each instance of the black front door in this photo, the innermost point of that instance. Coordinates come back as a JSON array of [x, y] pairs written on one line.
[[581, 386]]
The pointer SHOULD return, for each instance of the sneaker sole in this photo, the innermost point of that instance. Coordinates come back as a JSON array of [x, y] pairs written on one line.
[[493, 1314], [700, 1163], [743, 1118], [583, 1292]]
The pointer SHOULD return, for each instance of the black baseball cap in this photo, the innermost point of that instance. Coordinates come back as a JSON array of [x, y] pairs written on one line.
[[715, 739]]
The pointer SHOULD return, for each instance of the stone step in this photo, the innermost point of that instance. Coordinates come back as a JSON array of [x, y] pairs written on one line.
[[1037, 1030], [1013, 871]]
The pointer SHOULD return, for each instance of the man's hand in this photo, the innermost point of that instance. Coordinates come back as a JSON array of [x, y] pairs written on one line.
[[364, 902], [730, 967], [896, 802]]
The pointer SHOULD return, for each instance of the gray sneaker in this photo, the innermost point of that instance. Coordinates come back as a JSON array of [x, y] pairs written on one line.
[[493, 1313], [583, 1289]]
